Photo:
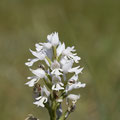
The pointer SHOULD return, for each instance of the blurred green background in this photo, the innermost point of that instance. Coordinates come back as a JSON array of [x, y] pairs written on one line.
[[92, 26]]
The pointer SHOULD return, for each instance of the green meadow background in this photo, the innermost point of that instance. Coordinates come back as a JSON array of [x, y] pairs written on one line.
[[92, 26]]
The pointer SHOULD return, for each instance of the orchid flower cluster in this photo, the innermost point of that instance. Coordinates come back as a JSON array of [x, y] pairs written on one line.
[[55, 77]]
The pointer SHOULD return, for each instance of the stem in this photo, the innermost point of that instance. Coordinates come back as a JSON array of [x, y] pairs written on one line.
[[55, 52], [49, 110], [67, 112], [52, 115], [52, 108], [65, 115]]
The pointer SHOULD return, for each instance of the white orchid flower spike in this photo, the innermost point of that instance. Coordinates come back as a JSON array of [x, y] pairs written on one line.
[[51, 80]]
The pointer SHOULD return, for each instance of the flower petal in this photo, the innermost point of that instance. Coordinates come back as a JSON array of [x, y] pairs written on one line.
[[74, 77], [32, 82], [56, 72], [77, 70], [46, 45], [53, 39], [73, 97], [57, 87], [38, 47], [38, 72], [31, 61], [60, 49], [40, 55]]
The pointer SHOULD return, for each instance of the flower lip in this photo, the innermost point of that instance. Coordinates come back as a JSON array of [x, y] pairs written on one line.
[[57, 84], [41, 101], [73, 97], [43, 98], [55, 67]]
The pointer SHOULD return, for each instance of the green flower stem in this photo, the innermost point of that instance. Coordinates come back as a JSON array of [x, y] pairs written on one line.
[[52, 110], [52, 107], [49, 110], [52, 114]]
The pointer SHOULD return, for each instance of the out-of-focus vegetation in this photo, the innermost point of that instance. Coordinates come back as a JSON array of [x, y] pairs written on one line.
[[93, 26]]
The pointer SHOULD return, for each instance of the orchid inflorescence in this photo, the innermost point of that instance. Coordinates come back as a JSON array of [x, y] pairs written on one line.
[[58, 63]]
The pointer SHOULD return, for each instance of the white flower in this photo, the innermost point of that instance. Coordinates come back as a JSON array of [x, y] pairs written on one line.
[[72, 97], [66, 64], [68, 52], [75, 85], [76, 70], [57, 84], [43, 98], [38, 47], [53, 39], [41, 101], [31, 83], [74, 78], [38, 72], [44, 49], [55, 67], [74, 57], [31, 61], [40, 54]]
